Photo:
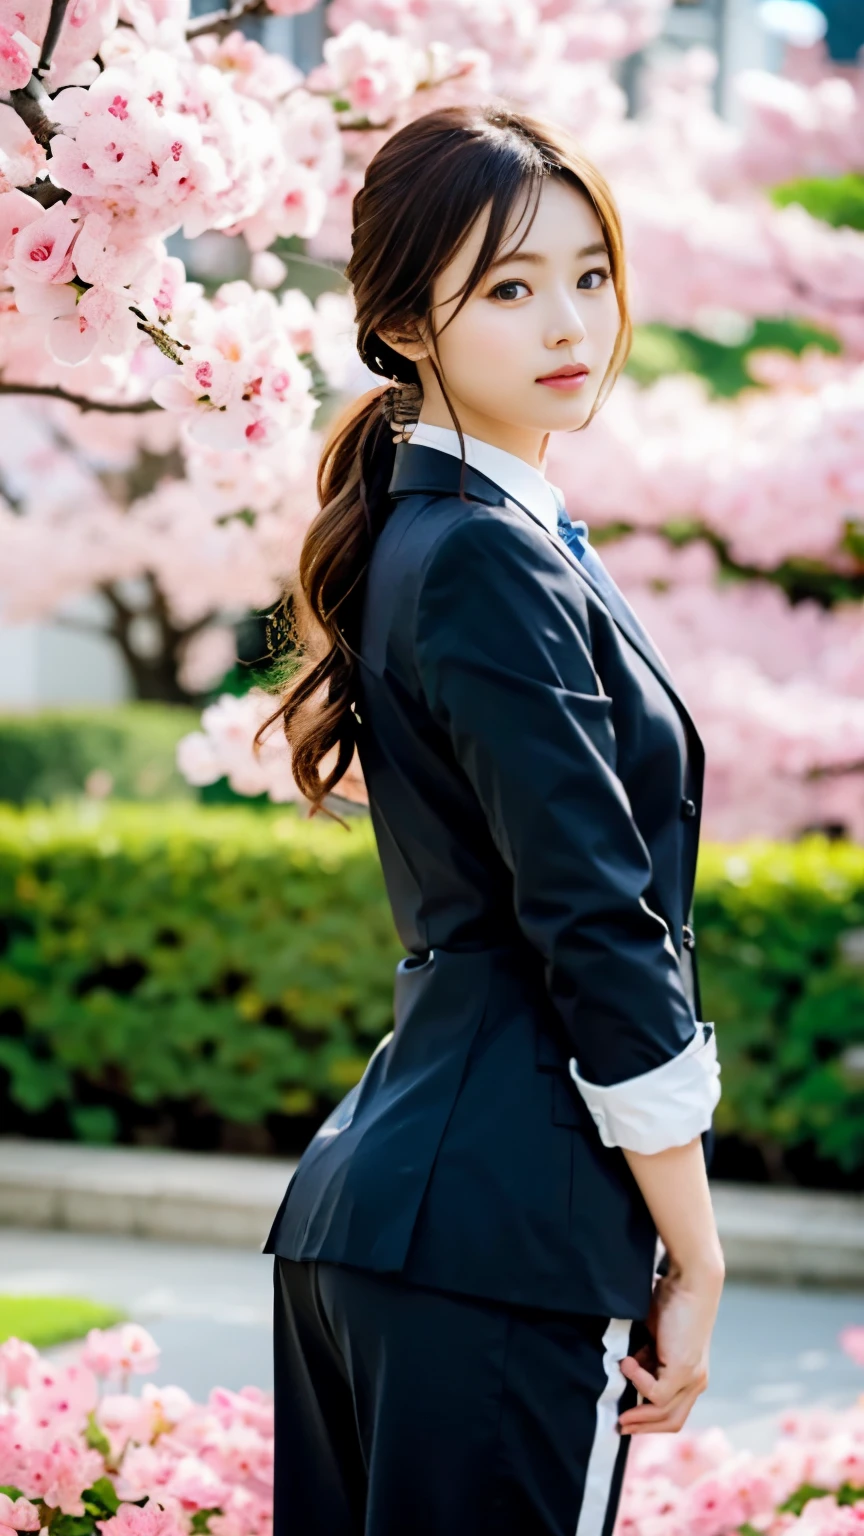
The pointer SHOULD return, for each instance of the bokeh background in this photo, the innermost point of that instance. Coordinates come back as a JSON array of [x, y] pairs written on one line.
[[188, 960], [191, 965]]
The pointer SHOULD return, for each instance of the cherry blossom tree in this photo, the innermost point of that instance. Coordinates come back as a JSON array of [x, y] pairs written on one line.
[[158, 438]]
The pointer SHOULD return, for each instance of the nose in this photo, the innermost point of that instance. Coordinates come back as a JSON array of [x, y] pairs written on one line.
[[565, 327]]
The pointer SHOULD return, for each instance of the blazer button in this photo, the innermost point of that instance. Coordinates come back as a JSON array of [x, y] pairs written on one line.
[[688, 937], [688, 808]]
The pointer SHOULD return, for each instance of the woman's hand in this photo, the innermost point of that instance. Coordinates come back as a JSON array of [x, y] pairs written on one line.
[[672, 1370]]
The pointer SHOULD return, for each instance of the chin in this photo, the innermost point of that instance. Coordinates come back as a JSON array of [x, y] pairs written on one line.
[[569, 423]]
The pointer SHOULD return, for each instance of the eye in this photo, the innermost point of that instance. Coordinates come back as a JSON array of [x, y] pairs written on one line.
[[505, 292], [601, 273]]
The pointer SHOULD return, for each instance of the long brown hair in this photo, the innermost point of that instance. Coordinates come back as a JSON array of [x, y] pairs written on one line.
[[423, 191]]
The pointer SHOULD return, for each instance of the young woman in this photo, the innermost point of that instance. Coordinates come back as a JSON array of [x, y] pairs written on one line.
[[468, 1328]]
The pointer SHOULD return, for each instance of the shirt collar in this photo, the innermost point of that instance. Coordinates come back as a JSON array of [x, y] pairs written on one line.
[[519, 480]]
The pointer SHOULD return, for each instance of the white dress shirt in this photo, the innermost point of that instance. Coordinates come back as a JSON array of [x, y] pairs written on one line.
[[519, 479], [673, 1103]]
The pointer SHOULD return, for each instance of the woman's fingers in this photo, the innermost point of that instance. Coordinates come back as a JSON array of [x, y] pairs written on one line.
[[652, 1413], [669, 1396], [668, 1422], [646, 1384], [662, 1387]]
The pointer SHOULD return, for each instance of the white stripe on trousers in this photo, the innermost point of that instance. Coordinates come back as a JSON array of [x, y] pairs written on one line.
[[607, 1441]]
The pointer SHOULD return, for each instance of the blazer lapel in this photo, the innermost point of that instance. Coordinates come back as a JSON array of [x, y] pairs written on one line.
[[602, 584], [421, 469]]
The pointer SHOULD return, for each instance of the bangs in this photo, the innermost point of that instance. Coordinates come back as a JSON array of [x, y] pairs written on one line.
[[518, 184]]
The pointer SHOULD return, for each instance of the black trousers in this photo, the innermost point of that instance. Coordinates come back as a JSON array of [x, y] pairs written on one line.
[[407, 1411]]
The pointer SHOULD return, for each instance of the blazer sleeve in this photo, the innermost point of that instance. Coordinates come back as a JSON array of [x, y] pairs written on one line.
[[503, 657]]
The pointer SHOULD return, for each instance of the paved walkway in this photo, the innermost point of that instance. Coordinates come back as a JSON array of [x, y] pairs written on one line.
[[209, 1309], [779, 1235]]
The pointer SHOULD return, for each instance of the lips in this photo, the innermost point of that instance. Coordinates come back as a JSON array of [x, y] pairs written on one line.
[[566, 380], [570, 371]]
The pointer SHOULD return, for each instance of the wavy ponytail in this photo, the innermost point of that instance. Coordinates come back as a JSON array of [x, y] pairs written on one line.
[[353, 474], [423, 190]]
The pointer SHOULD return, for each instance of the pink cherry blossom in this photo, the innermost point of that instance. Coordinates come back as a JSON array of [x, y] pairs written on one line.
[[86, 25], [17, 1362], [241, 382], [18, 1515], [149, 1519], [371, 70], [61, 1397], [267, 77], [16, 211], [114, 1353], [57, 1471], [16, 61], [42, 250]]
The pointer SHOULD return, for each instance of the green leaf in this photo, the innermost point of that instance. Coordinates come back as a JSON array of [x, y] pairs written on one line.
[[73, 1525], [200, 1520], [97, 1441], [802, 1496], [101, 1499]]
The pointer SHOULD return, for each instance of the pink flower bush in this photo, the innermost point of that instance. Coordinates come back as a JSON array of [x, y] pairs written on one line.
[[128, 1466], [163, 1465], [696, 1485]]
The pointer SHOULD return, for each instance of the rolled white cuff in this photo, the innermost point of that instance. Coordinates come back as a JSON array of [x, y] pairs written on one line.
[[666, 1107]]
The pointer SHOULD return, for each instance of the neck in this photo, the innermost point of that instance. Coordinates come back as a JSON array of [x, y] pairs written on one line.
[[527, 444]]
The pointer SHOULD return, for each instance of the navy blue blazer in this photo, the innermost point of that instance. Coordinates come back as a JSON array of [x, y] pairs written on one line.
[[535, 787]]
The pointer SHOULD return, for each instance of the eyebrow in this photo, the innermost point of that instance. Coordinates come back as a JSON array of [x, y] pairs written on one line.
[[535, 258]]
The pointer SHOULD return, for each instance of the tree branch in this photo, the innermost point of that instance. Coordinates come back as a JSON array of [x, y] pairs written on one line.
[[12, 501], [52, 34], [223, 22], [124, 613], [33, 104], [31, 101], [45, 193], [834, 770], [56, 392]]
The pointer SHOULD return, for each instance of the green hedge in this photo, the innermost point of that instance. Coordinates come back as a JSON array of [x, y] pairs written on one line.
[[49, 755], [780, 931], [238, 961], [181, 965]]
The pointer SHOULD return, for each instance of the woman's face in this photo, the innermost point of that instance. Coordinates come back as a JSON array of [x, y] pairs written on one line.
[[550, 305]]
